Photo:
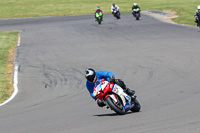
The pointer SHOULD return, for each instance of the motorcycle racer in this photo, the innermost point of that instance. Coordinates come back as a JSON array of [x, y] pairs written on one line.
[[94, 77], [97, 11], [135, 6], [196, 14], [114, 6]]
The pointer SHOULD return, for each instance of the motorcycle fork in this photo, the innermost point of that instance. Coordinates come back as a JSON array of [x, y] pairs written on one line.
[[114, 98]]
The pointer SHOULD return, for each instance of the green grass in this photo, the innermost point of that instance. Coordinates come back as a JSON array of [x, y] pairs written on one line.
[[185, 8], [7, 45], [27, 8]]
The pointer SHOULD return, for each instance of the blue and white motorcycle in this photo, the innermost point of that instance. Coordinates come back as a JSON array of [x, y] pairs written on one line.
[[116, 13]]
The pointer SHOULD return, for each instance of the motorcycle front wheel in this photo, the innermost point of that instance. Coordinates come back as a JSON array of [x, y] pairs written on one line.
[[118, 15], [99, 21], [136, 107], [115, 106]]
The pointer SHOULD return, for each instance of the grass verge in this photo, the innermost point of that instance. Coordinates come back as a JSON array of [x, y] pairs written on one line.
[[185, 9], [8, 41]]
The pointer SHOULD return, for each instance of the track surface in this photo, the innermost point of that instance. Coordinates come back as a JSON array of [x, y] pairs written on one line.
[[161, 61]]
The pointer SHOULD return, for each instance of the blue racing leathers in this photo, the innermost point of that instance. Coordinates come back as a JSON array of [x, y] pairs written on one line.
[[99, 75]]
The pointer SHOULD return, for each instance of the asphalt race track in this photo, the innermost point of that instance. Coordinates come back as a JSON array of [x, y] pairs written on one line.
[[161, 61]]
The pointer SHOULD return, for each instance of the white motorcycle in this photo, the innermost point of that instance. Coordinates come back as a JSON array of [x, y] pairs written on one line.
[[115, 98]]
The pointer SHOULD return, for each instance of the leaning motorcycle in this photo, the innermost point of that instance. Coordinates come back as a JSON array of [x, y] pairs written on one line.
[[99, 17], [115, 98], [136, 13], [116, 13]]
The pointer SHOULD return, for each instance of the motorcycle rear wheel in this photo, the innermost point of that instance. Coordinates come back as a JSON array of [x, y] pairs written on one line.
[[117, 107]]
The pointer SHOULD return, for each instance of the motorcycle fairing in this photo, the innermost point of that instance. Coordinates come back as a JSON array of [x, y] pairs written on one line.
[[105, 86], [98, 15], [126, 99], [136, 10]]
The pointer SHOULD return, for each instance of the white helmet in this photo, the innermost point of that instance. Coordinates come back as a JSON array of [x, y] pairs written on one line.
[[135, 4], [198, 7]]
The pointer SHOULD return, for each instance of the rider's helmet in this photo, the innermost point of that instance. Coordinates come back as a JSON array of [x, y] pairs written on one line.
[[90, 75], [135, 4], [113, 4], [198, 7], [98, 8]]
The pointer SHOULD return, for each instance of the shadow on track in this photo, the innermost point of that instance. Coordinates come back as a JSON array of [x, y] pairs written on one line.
[[114, 114]]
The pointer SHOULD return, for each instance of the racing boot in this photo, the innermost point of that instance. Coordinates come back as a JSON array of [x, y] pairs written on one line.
[[100, 103], [129, 91]]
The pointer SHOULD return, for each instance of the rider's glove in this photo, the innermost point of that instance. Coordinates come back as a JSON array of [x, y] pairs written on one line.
[[112, 79]]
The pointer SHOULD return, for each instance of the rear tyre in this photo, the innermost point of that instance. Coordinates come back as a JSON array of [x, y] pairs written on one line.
[[117, 107], [137, 106]]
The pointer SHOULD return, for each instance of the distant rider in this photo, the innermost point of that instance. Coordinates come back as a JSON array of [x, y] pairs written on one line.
[[94, 77], [135, 6], [97, 11], [196, 14], [114, 6]]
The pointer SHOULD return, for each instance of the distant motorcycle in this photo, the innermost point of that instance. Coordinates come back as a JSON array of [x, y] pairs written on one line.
[[136, 13], [116, 13], [99, 17], [115, 98], [198, 18]]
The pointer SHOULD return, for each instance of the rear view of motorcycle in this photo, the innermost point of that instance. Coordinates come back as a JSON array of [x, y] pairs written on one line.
[[115, 98], [136, 13], [116, 13], [99, 17]]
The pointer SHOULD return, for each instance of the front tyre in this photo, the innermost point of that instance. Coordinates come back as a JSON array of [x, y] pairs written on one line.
[[117, 107], [99, 20], [118, 15], [136, 107]]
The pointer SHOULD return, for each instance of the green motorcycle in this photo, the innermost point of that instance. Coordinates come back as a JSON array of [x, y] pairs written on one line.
[[99, 17]]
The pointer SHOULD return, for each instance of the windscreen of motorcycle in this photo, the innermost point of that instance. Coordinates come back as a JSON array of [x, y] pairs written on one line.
[[101, 85]]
